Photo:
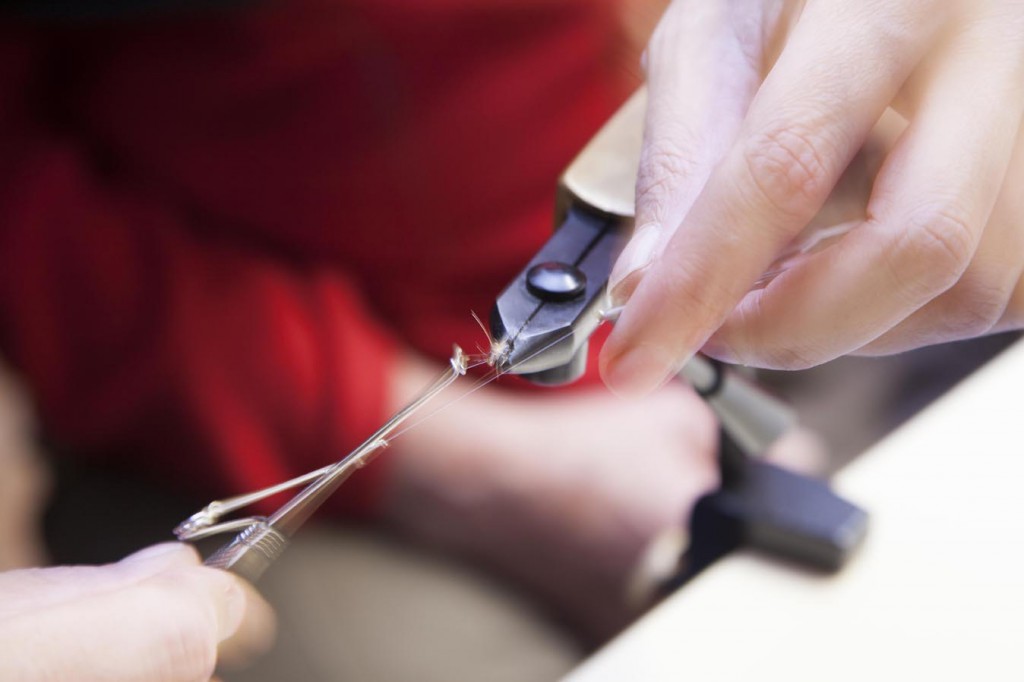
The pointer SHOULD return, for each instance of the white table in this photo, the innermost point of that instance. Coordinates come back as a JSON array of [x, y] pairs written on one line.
[[936, 593]]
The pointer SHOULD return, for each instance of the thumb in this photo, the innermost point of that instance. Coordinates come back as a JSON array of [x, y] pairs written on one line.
[[37, 588], [165, 627]]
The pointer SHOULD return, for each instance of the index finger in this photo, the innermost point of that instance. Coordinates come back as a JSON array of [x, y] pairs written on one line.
[[842, 66]]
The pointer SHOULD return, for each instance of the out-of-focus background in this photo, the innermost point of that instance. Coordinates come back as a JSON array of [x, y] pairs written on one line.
[[359, 603]]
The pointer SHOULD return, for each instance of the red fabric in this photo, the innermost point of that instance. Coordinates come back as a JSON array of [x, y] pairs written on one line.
[[216, 231]]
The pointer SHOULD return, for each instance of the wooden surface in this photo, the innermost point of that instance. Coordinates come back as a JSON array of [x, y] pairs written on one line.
[[936, 593]]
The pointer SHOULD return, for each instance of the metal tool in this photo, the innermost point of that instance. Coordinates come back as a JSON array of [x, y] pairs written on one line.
[[542, 323], [263, 539]]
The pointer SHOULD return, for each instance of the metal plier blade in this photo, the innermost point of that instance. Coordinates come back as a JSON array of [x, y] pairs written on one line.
[[542, 321], [544, 318]]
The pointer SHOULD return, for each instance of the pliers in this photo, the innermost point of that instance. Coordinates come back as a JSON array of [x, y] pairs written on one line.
[[542, 322]]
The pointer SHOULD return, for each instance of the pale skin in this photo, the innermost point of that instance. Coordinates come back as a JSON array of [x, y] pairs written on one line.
[[559, 492], [755, 110], [157, 615], [24, 479]]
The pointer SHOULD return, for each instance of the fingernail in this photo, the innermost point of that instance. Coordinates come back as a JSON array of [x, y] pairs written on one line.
[[640, 370], [161, 551], [634, 260]]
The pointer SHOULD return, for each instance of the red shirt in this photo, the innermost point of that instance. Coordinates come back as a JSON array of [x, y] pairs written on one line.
[[216, 230]]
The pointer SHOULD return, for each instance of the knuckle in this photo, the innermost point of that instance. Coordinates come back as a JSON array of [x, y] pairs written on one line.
[[790, 168], [664, 171], [946, 239], [932, 252], [976, 305]]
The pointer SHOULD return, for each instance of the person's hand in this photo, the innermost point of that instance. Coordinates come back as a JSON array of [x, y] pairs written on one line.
[[157, 615], [24, 480], [755, 110], [559, 492]]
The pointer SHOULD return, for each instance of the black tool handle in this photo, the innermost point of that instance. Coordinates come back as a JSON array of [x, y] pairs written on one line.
[[765, 507]]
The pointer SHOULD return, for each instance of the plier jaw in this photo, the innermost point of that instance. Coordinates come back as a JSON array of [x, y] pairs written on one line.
[[542, 321]]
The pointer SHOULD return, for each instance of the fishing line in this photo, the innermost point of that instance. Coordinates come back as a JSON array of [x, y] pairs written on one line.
[[494, 374]]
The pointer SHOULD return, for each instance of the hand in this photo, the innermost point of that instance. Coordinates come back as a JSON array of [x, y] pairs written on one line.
[[560, 492], [156, 615], [755, 110], [24, 480]]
